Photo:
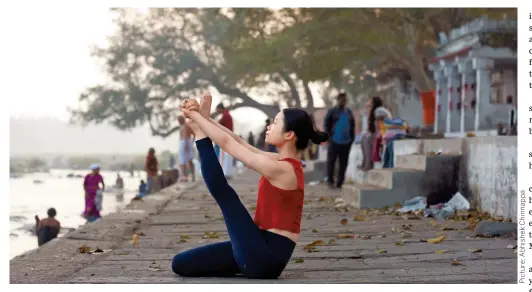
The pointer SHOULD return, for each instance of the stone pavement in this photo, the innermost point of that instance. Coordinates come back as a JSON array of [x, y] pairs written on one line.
[[363, 248]]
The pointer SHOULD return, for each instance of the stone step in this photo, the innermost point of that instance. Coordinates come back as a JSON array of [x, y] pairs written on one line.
[[395, 178], [425, 161], [412, 161], [366, 196], [315, 171], [352, 194]]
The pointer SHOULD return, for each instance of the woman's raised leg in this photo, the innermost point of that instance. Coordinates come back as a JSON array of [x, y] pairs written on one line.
[[249, 247]]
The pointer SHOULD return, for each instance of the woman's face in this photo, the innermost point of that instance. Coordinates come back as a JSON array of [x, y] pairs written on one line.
[[275, 134]]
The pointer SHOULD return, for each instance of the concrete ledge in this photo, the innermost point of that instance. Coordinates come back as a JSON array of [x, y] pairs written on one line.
[[59, 258], [489, 174]]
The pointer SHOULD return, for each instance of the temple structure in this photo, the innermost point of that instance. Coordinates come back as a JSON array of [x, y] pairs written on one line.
[[475, 71]]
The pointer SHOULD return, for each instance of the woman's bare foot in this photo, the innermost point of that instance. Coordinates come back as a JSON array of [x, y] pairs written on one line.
[[205, 106]]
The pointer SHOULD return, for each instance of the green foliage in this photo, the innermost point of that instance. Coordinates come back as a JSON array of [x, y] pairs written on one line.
[[154, 61], [35, 163]]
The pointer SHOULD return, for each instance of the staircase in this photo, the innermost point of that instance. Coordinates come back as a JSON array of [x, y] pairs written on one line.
[[413, 175]]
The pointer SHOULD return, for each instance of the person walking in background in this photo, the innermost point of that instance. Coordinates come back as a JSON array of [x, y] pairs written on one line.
[[186, 150], [261, 144], [339, 123], [251, 139], [119, 184], [151, 167], [226, 160], [132, 169], [92, 184], [47, 228], [367, 143]]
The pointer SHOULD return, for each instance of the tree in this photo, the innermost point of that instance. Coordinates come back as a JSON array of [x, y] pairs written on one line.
[[340, 46], [361, 39], [35, 163], [154, 61]]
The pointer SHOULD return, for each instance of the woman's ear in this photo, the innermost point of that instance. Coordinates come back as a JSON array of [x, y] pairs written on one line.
[[290, 135]]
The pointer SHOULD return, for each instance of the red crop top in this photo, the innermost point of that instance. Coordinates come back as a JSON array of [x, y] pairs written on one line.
[[278, 208]]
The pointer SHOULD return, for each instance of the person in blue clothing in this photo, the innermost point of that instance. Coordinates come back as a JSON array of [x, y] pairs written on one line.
[[339, 123], [142, 190]]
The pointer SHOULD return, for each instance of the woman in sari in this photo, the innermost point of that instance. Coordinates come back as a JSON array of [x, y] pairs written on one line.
[[91, 185]]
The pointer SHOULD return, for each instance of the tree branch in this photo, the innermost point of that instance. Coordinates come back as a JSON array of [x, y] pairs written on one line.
[[293, 88]]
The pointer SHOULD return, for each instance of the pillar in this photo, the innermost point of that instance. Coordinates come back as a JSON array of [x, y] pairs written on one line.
[[453, 85], [441, 96], [467, 75], [483, 107]]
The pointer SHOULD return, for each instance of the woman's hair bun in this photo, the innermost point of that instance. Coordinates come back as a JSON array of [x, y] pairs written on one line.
[[318, 137]]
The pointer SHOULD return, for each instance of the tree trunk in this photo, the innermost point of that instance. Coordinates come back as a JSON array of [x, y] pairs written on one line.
[[293, 89], [308, 95]]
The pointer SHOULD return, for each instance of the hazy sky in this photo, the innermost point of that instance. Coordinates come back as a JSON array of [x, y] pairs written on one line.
[[49, 57]]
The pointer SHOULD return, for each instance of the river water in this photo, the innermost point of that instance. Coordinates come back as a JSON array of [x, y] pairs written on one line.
[[29, 198]]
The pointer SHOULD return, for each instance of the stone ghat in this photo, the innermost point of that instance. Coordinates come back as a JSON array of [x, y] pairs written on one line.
[[336, 245]]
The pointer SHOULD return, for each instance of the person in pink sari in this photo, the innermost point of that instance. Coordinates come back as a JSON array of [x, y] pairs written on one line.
[[91, 185]]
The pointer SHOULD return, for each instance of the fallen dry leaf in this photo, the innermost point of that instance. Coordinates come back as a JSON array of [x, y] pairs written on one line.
[[321, 199], [141, 233], [135, 240], [182, 241], [331, 241], [381, 251], [474, 250], [310, 248], [440, 251], [397, 206], [434, 240], [456, 262], [511, 246], [359, 218], [366, 237], [212, 235], [407, 226], [345, 235], [83, 249], [318, 242], [299, 261], [400, 243], [343, 222], [411, 217], [207, 217], [314, 230]]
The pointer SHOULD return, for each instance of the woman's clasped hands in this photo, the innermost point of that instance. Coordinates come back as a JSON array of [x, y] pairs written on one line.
[[188, 106]]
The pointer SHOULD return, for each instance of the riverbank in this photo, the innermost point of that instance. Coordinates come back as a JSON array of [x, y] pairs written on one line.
[[335, 246], [33, 194]]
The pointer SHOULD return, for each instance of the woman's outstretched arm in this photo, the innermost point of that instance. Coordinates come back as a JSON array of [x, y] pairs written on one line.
[[243, 142], [262, 164]]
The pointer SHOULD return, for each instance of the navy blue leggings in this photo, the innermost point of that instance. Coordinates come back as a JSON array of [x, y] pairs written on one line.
[[253, 252]]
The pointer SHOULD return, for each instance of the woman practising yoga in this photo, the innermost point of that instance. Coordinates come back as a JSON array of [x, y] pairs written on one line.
[[259, 248]]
